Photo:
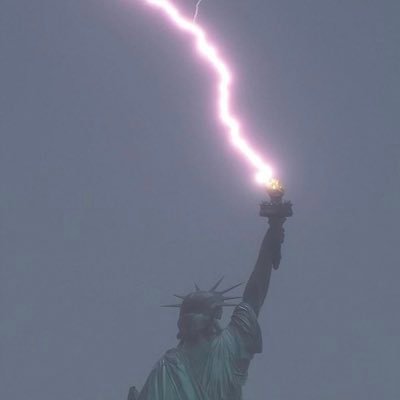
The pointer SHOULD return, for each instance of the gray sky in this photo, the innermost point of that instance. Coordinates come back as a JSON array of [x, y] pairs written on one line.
[[117, 189]]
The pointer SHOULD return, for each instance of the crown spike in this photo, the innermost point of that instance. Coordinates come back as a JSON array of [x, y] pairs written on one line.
[[196, 287], [216, 285], [179, 296], [231, 288], [231, 298]]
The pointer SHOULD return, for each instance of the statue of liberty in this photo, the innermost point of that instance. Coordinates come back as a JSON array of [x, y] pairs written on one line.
[[211, 363]]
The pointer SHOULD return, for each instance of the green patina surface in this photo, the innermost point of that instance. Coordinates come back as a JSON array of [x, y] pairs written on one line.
[[213, 369]]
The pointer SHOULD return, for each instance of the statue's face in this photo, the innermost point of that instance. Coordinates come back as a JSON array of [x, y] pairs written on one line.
[[198, 313]]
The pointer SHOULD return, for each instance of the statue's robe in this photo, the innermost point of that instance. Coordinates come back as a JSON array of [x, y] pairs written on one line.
[[222, 369]]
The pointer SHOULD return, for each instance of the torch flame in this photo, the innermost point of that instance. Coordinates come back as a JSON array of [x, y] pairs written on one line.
[[275, 184]]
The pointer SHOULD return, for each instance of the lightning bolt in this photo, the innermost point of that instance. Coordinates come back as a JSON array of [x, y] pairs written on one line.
[[210, 53], [196, 13]]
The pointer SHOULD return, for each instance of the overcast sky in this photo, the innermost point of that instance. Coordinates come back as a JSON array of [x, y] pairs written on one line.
[[118, 189]]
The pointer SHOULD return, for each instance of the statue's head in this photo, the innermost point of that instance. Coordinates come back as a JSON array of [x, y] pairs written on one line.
[[200, 312]]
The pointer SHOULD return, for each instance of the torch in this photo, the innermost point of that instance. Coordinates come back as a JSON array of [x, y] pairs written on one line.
[[276, 210]]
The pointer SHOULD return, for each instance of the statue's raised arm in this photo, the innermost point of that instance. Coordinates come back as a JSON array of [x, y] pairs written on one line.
[[268, 258], [276, 210]]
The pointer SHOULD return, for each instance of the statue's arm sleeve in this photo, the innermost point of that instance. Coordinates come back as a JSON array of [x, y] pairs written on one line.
[[246, 331], [258, 283]]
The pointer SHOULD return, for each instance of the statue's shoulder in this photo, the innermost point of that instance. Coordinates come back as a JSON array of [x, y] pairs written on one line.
[[171, 357], [243, 331]]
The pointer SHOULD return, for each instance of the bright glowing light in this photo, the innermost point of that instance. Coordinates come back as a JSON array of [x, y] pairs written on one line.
[[196, 12], [275, 185], [210, 53]]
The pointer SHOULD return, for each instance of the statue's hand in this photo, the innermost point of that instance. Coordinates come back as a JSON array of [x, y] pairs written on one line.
[[277, 237]]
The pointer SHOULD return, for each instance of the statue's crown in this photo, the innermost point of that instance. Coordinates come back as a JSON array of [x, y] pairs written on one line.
[[201, 301]]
